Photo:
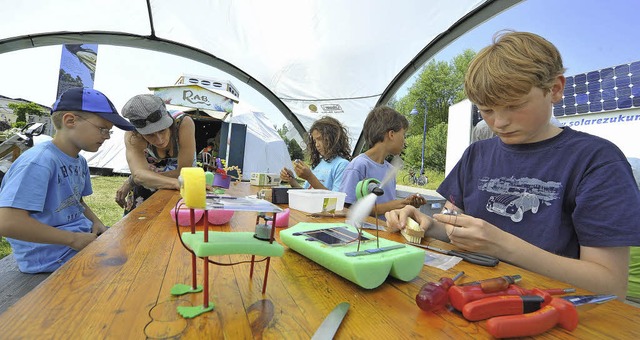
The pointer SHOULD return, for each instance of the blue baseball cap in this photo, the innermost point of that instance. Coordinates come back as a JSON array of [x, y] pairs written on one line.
[[90, 100]]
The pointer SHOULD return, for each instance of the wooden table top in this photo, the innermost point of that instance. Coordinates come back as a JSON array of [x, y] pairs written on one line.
[[119, 287]]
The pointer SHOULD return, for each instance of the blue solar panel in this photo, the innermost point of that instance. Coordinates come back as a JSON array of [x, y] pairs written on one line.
[[611, 88], [593, 86], [593, 76]]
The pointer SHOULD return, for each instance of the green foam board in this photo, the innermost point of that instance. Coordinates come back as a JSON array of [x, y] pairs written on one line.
[[227, 243], [367, 271]]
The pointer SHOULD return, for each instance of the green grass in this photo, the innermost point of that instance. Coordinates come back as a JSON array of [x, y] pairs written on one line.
[[5, 249], [101, 202]]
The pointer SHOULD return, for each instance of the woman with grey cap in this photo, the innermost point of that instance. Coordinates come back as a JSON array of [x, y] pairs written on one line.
[[156, 151]]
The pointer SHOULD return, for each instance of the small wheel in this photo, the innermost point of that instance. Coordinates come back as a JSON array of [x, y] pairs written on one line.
[[193, 187], [517, 217], [422, 180], [406, 179]]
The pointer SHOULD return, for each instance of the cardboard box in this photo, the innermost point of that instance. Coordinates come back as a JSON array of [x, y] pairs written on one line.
[[316, 200], [264, 179]]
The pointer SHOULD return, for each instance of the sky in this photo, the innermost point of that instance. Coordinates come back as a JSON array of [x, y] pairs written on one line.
[[590, 34]]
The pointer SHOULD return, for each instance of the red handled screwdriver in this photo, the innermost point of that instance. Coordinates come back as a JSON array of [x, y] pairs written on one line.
[[495, 284], [433, 295]]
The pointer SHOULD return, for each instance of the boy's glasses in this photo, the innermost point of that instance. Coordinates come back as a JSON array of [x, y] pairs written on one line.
[[152, 118], [103, 131]]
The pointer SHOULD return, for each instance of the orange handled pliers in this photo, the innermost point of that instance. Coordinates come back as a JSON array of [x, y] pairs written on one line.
[[518, 316]]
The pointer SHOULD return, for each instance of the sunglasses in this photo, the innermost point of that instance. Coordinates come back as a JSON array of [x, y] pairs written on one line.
[[152, 118]]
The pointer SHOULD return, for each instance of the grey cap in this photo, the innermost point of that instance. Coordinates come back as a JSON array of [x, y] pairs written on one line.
[[140, 107]]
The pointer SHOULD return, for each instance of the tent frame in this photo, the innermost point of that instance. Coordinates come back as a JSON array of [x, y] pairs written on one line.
[[154, 43]]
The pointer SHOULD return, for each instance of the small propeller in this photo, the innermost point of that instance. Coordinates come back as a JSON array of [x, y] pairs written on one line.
[[367, 191]]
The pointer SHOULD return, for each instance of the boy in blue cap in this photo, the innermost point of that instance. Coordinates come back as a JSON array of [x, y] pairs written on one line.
[[42, 213]]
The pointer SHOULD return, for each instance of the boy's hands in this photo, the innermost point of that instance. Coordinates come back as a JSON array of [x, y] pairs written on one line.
[[98, 228], [415, 200], [81, 240], [397, 219], [473, 234]]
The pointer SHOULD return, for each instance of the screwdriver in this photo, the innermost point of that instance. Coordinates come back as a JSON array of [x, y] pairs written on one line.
[[433, 295], [495, 284], [461, 295]]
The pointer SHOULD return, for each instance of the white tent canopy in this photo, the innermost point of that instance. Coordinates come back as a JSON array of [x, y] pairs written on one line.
[[344, 57], [264, 151]]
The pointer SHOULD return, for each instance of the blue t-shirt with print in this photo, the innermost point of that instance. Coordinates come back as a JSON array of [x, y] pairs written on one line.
[[49, 184], [363, 167], [571, 190], [330, 173]]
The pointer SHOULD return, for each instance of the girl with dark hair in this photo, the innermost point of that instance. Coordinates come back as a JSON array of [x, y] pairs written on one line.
[[329, 153]]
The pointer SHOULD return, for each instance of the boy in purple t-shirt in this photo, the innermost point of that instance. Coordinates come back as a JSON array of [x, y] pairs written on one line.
[[548, 199], [383, 131]]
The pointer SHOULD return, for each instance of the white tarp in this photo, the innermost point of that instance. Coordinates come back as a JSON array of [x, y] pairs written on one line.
[[264, 151], [342, 56], [111, 155]]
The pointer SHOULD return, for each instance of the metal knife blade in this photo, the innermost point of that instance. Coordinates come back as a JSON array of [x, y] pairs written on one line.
[[331, 323]]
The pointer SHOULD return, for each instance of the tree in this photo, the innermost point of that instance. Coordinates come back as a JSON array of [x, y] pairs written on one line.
[[439, 85], [22, 110], [295, 151]]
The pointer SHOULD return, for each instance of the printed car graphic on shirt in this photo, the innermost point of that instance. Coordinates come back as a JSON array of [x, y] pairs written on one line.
[[513, 206]]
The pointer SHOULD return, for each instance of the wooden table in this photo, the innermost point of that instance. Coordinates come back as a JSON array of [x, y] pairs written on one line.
[[118, 287]]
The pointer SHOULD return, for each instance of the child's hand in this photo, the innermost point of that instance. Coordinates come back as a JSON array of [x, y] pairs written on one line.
[[98, 228], [286, 174], [302, 170], [473, 234], [415, 200], [397, 219], [81, 240]]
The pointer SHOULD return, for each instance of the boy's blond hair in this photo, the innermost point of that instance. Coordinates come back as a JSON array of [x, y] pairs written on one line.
[[56, 117], [508, 69]]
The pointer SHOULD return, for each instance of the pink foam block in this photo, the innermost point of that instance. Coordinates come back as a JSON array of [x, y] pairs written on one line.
[[218, 217], [183, 216], [282, 219]]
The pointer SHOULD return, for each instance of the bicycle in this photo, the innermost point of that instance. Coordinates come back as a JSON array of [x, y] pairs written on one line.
[[415, 178]]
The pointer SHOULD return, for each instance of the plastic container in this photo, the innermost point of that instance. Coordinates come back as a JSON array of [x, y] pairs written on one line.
[[316, 200]]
